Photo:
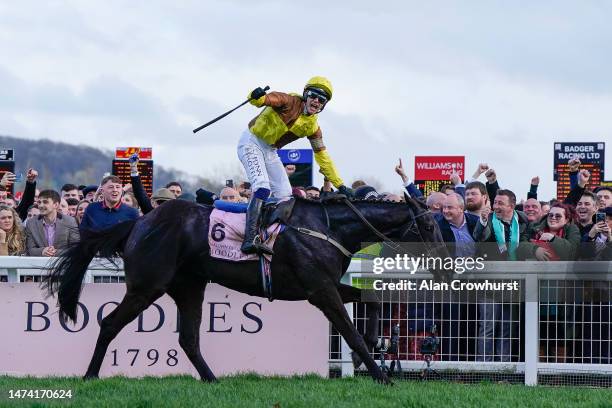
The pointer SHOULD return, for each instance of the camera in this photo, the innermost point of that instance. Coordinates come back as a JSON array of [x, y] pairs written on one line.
[[229, 183], [429, 345], [389, 346]]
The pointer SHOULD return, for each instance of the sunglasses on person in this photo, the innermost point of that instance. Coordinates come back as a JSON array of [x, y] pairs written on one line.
[[555, 216], [316, 95]]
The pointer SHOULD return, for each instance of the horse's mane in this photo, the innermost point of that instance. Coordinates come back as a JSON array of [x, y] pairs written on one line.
[[172, 209], [352, 200]]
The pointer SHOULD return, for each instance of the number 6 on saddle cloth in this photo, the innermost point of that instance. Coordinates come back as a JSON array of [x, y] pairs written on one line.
[[226, 233]]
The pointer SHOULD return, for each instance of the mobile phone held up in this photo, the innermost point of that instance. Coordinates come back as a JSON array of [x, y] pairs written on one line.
[[600, 217]]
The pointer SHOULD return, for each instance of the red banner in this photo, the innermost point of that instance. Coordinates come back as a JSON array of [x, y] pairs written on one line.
[[438, 167], [144, 153]]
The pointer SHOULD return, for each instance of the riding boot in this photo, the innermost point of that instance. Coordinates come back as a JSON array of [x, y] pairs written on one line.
[[252, 243]]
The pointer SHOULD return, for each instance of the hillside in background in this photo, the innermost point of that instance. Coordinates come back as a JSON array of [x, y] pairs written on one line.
[[60, 163]]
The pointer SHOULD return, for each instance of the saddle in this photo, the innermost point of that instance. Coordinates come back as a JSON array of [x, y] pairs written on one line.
[[277, 211]]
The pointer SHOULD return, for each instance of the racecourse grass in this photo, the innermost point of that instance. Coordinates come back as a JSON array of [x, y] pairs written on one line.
[[304, 391]]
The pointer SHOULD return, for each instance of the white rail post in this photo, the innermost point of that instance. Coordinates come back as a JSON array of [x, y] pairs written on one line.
[[532, 335]]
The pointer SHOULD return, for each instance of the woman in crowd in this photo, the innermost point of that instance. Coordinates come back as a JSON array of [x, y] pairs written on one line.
[[12, 236], [129, 199], [80, 210], [555, 238]]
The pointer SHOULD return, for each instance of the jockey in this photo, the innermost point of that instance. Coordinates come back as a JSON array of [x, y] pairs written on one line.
[[285, 118]]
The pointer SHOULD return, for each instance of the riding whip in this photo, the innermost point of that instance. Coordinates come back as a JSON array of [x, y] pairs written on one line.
[[224, 115]]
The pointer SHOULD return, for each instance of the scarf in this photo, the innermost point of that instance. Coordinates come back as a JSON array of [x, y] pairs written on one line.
[[500, 235]]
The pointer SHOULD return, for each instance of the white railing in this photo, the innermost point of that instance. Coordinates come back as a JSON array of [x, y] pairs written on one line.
[[16, 268], [533, 278], [535, 281]]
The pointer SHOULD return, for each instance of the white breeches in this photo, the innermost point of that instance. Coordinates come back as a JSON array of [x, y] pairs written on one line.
[[263, 167]]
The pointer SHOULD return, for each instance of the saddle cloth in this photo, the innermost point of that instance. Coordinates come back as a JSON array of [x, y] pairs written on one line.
[[226, 232]]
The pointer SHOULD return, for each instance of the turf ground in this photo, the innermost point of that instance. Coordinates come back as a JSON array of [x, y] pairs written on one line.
[[308, 391]]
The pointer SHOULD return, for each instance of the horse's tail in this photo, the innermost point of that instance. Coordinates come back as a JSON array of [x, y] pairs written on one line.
[[65, 275]]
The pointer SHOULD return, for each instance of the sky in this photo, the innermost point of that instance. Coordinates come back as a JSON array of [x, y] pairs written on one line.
[[495, 81]]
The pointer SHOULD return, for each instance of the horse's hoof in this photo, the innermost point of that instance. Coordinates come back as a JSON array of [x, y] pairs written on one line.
[[384, 379], [356, 360]]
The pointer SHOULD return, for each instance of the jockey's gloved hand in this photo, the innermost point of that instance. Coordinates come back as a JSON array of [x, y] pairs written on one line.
[[346, 191], [257, 93], [205, 197], [134, 158]]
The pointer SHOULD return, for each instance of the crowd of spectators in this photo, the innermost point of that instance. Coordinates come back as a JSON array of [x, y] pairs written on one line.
[[468, 212]]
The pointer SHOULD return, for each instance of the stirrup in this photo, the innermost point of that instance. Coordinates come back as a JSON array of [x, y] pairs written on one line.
[[261, 247]]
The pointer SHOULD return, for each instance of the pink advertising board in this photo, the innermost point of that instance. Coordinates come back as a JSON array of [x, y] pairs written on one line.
[[239, 333]]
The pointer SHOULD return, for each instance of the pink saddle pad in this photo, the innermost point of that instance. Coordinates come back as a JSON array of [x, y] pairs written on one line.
[[226, 232]]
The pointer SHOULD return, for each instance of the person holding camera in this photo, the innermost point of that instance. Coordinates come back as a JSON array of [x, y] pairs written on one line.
[[598, 241], [284, 119], [29, 193]]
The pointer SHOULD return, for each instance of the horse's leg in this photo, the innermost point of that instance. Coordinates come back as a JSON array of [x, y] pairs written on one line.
[[130, 307], [351, 294], [328, 300], [189, 297]]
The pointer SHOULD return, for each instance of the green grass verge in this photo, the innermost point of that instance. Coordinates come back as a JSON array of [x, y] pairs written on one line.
[[307, 391]]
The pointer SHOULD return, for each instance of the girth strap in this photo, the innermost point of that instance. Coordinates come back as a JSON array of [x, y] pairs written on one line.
[[324, 237]]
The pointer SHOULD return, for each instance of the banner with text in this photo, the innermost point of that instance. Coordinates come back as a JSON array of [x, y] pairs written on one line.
[[591, 156], [238, 333], [431, 172]]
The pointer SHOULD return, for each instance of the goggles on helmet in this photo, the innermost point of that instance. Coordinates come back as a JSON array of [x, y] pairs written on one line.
[[316, 94]]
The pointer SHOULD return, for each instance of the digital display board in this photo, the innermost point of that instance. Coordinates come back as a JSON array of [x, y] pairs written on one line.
[[121, 169], [563, 179], [427, 186]]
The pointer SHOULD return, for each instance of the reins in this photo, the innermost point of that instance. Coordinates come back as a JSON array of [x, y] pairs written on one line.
[[325, 237]]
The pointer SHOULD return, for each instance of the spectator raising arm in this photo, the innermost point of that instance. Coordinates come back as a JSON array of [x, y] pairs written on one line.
[[28, 194], [575, 193], [459, 187], [492, 185], [533, 189], [482, 167], [574, 167], [137, 188], [412, 190]]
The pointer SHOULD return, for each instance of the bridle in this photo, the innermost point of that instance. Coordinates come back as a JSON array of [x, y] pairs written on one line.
[[396, 246], [411, 228]]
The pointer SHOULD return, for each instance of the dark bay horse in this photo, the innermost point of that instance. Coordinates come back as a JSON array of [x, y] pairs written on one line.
[[167, 251]]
